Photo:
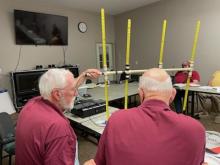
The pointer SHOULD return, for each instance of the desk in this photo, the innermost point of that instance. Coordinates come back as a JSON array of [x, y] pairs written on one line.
[[80, 120], [88, 124], [115, 91], [198, 89], [92, 123]]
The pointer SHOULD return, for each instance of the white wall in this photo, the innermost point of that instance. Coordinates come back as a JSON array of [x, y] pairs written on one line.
[[81, 48], [181, 16]]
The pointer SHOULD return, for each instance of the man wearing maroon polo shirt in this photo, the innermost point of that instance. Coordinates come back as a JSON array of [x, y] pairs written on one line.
[[152, 134], [181, 77], [43, 133]]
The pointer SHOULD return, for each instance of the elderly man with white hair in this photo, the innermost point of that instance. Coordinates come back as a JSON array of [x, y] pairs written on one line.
[[43, 133], [152, 134]]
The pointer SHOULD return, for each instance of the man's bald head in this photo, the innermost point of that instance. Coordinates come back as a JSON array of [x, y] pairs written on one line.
[[155, 83], [156, 74], [155, 79]]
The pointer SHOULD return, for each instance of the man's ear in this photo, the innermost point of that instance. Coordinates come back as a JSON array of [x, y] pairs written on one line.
[[141, 94], [56, 94], [173, 95]]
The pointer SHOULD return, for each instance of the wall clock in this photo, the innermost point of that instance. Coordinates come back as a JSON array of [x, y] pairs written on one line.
[[82, 27]]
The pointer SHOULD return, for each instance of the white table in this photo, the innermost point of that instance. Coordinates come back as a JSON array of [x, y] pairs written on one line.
[[78, 119], [115, 91], [90, 124], [198, 89], [97, 123]]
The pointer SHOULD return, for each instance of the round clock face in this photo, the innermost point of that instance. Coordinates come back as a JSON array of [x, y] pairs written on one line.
[[82, 27]]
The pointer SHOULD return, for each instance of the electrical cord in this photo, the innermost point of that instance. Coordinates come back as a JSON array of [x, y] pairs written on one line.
[[64, 55], [19, 57]]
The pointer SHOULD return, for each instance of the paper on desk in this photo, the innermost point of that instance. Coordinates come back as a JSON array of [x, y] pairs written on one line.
[[101, 123], [211, 160], [209, 88], [179, 85], [217, 89], [194, 85], [183, 85], [206, 87], [213, 142]]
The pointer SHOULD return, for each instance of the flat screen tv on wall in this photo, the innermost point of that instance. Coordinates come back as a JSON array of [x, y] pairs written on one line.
[[40, 29]]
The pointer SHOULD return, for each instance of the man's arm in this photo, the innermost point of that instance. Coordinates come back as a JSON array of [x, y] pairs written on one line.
[[60, 151], [88, 74], [195, 77], [90, 162], [195, 81]]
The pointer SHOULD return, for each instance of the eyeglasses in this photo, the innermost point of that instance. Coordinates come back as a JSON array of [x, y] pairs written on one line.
[[73, 89]]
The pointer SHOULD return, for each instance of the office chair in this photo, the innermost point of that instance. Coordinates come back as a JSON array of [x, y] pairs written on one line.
[[7, 137]]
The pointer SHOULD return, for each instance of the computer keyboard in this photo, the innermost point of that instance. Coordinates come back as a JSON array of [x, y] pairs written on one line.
[[89, 107]]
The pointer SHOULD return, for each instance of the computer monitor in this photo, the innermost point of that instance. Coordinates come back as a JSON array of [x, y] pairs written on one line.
[[26, 82]]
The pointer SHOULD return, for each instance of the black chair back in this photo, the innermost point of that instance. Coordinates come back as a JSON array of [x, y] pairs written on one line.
[[7, 131], [7, 136]]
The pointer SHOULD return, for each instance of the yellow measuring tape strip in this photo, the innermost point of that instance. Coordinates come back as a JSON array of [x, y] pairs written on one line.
[[162, 43], [191, 63], [127, 66], [104, 59]]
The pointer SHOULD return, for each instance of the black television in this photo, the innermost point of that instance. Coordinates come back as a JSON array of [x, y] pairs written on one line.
[[40, 29]]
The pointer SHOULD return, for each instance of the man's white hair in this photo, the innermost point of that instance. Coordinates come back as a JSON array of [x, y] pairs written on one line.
[[151, 84], [52, 79]]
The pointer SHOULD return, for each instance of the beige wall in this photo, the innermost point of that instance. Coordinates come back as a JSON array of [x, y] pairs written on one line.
[[81, 49], [181, 16], [145, 42]]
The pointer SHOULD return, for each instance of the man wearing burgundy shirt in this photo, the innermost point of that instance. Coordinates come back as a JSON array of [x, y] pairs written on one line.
[[43, 133], [151, 134], [181, 77]]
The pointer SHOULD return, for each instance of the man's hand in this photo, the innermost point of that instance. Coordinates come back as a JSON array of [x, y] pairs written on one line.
[[195, 82], [92, 162], [92, 73], [88, 74], [204, 163]]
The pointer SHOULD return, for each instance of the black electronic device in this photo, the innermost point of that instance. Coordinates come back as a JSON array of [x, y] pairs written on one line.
[[85, 108], [40, 29], [25, 85], [26, 82]]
